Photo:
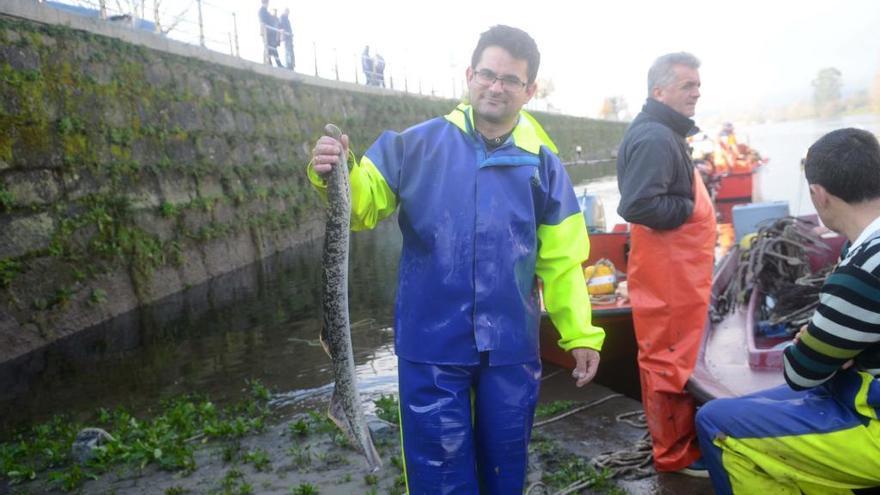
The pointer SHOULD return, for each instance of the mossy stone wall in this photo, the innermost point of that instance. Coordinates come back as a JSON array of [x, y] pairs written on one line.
[[128, 174]]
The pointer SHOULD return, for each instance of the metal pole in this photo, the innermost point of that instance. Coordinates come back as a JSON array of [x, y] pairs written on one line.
[[235, 30], [231, 51], [336, 63], [201, 25], [315, 54], [103, 5]]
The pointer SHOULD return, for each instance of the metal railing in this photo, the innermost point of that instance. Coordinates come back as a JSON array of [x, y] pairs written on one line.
[[219, 28], [237, 32]]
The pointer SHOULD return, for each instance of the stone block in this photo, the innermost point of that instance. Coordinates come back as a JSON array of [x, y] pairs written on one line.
[[244, 122], [145, 150], [82, 182], [31, 188], [213, 148], [157, 74], [210, 187], [155, 224], [224, 121], [159, 283], [177, 188], [197, 85], [186, 115], [193, 219], [20, 57], [20, 235], [33, 146], [192, 270], [224, 213], [181, 151]]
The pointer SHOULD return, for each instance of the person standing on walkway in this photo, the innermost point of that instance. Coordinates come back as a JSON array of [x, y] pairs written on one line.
[[287, 38], [672, 255], [818, 433], [485, 206], [367, 66], [379, 69]]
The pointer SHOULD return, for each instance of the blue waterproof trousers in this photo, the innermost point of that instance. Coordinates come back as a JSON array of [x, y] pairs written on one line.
[[824, 440], [466, 429]]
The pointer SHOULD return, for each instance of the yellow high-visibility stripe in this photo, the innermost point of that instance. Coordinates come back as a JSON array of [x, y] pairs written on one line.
[[561, 251]]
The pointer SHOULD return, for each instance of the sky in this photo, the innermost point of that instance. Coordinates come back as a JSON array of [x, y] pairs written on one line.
[[754, 54]]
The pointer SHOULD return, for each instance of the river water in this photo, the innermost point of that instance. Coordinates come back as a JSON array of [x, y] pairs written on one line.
[[262, 322]]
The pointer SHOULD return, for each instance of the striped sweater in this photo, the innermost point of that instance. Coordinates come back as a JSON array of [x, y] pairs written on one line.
[[846, 324]]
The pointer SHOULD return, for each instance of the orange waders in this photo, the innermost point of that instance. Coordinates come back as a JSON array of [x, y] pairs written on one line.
[[670, 278]]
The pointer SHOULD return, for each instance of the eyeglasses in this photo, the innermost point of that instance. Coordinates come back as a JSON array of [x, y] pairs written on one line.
[[486, 77]]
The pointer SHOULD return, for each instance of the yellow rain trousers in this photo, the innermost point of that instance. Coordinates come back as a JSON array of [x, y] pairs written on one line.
[[825, 440]]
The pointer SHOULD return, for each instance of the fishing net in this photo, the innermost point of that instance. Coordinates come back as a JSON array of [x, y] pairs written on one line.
[[777, 262]]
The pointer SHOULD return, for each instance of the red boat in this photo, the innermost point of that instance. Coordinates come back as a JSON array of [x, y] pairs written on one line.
[[730, 186], [618, 368]]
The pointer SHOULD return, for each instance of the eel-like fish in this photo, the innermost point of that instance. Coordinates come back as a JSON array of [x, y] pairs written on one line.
[[345, 405]]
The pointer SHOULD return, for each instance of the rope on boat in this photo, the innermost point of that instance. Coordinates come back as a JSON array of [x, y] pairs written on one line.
[[777, 263]]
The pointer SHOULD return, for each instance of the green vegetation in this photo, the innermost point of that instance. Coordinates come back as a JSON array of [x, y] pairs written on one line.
[[304, 489], [550, 409], [259, 458], [387, 408], [9, 269], [561, 469], [164, 440], [6, 199]]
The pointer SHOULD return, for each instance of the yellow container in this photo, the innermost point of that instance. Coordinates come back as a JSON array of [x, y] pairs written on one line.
[[601, 278]]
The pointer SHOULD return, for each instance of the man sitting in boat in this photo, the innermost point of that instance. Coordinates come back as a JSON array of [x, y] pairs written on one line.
[[670, 265], [820, 433]]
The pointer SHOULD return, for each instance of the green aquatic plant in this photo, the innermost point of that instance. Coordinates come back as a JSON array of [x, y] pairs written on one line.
[[553, 408], [7, 199], [387, 408], [164, 439], [259, 458], [9, 269], [304, 489]]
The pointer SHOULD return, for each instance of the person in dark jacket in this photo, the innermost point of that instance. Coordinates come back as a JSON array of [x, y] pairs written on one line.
[[269, 33], [671, 258], [367, 66], [287, 37]]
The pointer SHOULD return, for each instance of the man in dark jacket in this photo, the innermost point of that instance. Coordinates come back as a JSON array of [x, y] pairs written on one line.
[[672, 254], [269, 33]]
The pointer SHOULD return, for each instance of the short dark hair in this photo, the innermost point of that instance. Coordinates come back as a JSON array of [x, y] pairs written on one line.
[[846, 162], [516, 41]]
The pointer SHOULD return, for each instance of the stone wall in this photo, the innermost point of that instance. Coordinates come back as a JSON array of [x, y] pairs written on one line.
[[128, 173]]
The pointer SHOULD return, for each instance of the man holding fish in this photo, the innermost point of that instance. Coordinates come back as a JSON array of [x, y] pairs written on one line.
[[485, 206]]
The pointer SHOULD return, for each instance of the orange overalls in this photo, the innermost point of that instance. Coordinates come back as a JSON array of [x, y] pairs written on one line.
[[670, 279]]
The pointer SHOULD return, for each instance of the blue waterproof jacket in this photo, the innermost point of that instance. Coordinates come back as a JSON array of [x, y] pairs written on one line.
[[477, 227]]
